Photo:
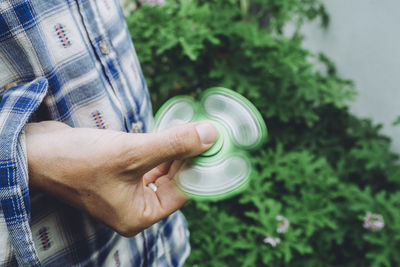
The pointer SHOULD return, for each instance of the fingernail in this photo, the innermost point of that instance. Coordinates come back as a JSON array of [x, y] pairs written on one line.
[[207, 133]]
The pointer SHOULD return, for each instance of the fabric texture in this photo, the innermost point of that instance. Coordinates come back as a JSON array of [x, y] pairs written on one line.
[[70, 61]]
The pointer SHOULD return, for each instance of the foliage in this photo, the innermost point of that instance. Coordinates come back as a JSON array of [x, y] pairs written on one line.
[[322, 168]]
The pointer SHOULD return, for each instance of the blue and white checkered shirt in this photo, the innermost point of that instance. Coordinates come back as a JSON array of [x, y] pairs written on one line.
[[70, 61]]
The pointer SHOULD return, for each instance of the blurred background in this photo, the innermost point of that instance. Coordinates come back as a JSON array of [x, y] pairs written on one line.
[[324, 75], [364, 46]]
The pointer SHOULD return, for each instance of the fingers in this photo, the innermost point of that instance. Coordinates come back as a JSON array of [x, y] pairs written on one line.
[[164, 196], [176, 143], [174, 168], [169, 196], [171, 199], [157, 172]]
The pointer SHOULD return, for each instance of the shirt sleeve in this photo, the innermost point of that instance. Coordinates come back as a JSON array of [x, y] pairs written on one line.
[[17, 104]]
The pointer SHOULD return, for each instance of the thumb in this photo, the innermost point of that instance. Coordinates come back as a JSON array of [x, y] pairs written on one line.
[[176, 143]]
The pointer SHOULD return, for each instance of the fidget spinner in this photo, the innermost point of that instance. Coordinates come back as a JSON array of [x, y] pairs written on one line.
[[225, 168]]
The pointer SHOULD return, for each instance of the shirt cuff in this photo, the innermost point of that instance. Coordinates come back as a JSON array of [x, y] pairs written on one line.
[[17, 104]]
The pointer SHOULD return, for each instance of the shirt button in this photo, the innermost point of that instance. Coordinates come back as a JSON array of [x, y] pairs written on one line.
[[8, 86], [136, 128], [104, 47]]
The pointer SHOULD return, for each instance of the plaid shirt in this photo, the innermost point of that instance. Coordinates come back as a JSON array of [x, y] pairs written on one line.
[[70, 61]]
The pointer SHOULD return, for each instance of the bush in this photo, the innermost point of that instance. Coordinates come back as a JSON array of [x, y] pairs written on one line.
[[322, 168]]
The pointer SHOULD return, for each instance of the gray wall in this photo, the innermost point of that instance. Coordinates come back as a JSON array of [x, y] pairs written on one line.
[[363, 39]]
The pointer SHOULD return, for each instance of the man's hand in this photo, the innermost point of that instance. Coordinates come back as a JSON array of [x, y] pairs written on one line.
[[107, 173]]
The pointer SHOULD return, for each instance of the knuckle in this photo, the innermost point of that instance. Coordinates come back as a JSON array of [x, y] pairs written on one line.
[[178, 142], [130, 160], [128, 157]]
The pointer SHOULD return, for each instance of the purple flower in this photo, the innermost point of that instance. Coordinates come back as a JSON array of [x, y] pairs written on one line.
[[373, 222], [284, 224], [273, 241]]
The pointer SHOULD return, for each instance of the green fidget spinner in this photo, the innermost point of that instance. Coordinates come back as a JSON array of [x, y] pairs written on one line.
[[224, 169]]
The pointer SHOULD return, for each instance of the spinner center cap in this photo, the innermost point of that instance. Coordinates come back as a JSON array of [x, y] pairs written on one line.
[[218, 144]]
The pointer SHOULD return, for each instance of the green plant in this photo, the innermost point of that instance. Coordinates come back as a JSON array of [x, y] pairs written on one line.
[[322, 168]]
